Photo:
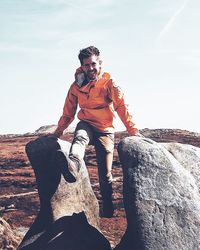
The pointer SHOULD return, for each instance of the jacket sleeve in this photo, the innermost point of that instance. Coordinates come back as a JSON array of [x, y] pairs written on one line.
[[69, 110], [117, 97]]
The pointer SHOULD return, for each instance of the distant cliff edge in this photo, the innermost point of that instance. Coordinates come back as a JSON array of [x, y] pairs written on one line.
[[158, 135]]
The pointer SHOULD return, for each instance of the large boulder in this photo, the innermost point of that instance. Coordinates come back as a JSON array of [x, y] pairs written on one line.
[[9, 239], [69, 213], [161, 195]]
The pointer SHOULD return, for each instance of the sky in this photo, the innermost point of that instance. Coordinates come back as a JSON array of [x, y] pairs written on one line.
[[151, 48]]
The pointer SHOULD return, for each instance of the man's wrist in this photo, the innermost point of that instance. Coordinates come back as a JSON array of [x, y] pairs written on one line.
[[58, 132], [133, 131]]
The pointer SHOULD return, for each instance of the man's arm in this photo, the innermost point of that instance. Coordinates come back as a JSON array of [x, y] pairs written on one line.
[[69, 111], [121, 108]]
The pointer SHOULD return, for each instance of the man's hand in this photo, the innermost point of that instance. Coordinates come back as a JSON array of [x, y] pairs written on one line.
[[57, 133], [135, 132]]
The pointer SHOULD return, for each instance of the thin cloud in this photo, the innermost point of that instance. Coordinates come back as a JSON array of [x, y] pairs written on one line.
[[171, 21]]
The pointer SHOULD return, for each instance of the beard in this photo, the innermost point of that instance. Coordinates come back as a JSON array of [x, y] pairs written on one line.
[[92, 74]]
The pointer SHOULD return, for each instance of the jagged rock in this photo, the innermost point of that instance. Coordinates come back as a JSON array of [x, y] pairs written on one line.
[[69, 211], [46, 129], [161, 195], [8, 238]]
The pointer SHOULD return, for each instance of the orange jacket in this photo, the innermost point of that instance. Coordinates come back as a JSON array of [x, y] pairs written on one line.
[[97, 101]]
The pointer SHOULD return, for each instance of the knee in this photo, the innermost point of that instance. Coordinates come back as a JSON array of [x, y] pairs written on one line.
[[75, 156], [109, 150], [81, 139], [107, 144]]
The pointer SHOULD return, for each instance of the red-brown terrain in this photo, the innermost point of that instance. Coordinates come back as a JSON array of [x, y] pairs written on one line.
[[19, 201]]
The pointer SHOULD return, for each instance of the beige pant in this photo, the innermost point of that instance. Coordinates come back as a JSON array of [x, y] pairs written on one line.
[[86, 134]]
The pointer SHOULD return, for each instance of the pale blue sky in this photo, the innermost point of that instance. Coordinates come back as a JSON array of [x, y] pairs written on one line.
[[152, 49]]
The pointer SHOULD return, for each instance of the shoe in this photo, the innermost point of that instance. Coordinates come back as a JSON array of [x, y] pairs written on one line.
[[108, 209], [63, 164], [70, 171]]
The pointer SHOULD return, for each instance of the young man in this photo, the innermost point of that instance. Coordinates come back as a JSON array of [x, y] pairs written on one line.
[[98, 97]]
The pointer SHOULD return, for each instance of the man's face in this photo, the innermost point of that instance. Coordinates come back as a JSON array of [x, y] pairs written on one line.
[[91, 66]]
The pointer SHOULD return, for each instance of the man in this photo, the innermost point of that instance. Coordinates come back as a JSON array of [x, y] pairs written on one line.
[[98, 97]]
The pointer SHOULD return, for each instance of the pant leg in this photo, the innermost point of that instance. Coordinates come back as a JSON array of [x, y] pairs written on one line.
[[104, 146], [82, 137]]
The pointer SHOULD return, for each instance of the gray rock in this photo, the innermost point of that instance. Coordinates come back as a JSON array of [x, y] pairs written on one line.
[[69, 213], [161, 195]]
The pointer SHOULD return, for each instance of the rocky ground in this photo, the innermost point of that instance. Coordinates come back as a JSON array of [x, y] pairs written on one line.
[[19, 201]]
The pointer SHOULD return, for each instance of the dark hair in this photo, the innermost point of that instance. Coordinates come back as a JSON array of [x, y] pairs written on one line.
[[87, 52]]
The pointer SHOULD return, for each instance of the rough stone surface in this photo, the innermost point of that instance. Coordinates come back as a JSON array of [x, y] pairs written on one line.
[[161, 195], [9, 239], [69, 211]]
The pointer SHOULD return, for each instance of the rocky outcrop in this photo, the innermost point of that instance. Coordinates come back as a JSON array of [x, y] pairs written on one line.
[[161, 195], [51, 128], [173, 135], [8, 238], [46, 129], [69, 212], [17, 178]]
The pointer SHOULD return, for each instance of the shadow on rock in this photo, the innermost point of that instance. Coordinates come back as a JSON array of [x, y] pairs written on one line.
[[69, 232]]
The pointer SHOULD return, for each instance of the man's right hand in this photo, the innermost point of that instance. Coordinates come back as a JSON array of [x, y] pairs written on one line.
[[57, 133]]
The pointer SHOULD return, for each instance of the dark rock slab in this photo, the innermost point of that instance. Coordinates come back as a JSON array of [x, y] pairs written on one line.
[[69, 213]]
